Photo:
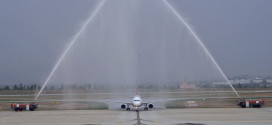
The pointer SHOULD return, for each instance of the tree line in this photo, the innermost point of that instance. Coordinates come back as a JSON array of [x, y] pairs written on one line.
[[20, 86]]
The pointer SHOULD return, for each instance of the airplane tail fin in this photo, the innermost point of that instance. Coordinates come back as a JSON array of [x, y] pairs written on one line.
[[137, 88]]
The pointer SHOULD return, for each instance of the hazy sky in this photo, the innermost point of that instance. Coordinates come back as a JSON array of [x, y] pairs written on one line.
[[34, 33]]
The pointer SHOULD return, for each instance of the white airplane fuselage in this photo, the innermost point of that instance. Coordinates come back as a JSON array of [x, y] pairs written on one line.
[[137, 101]]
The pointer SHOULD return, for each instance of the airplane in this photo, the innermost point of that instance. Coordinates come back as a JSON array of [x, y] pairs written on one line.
[[137, 102]]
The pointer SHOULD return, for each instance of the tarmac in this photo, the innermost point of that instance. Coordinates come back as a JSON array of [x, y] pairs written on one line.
[[189, 116]]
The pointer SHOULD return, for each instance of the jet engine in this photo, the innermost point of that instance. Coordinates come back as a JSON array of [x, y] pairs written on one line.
[[123, 106], [150, 106]]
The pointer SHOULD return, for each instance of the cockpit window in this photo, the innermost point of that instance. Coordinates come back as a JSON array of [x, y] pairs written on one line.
[[136, 100]]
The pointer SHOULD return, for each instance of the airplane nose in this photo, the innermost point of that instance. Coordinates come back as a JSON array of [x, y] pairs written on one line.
[[136, 103]]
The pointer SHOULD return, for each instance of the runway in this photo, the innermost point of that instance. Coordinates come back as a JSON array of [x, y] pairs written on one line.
[[192, 116]]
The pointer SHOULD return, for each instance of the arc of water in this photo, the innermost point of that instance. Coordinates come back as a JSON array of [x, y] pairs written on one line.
[[73, 41], [199, 42]]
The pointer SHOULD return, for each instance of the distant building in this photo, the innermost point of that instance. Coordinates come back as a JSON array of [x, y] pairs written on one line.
[[236, 81], [185, 85], [269, 80], [257, 80], [220, 83], [240, 81]]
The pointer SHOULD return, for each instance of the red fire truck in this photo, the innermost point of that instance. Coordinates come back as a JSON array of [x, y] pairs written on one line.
[[21, 107], [254, 103]]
